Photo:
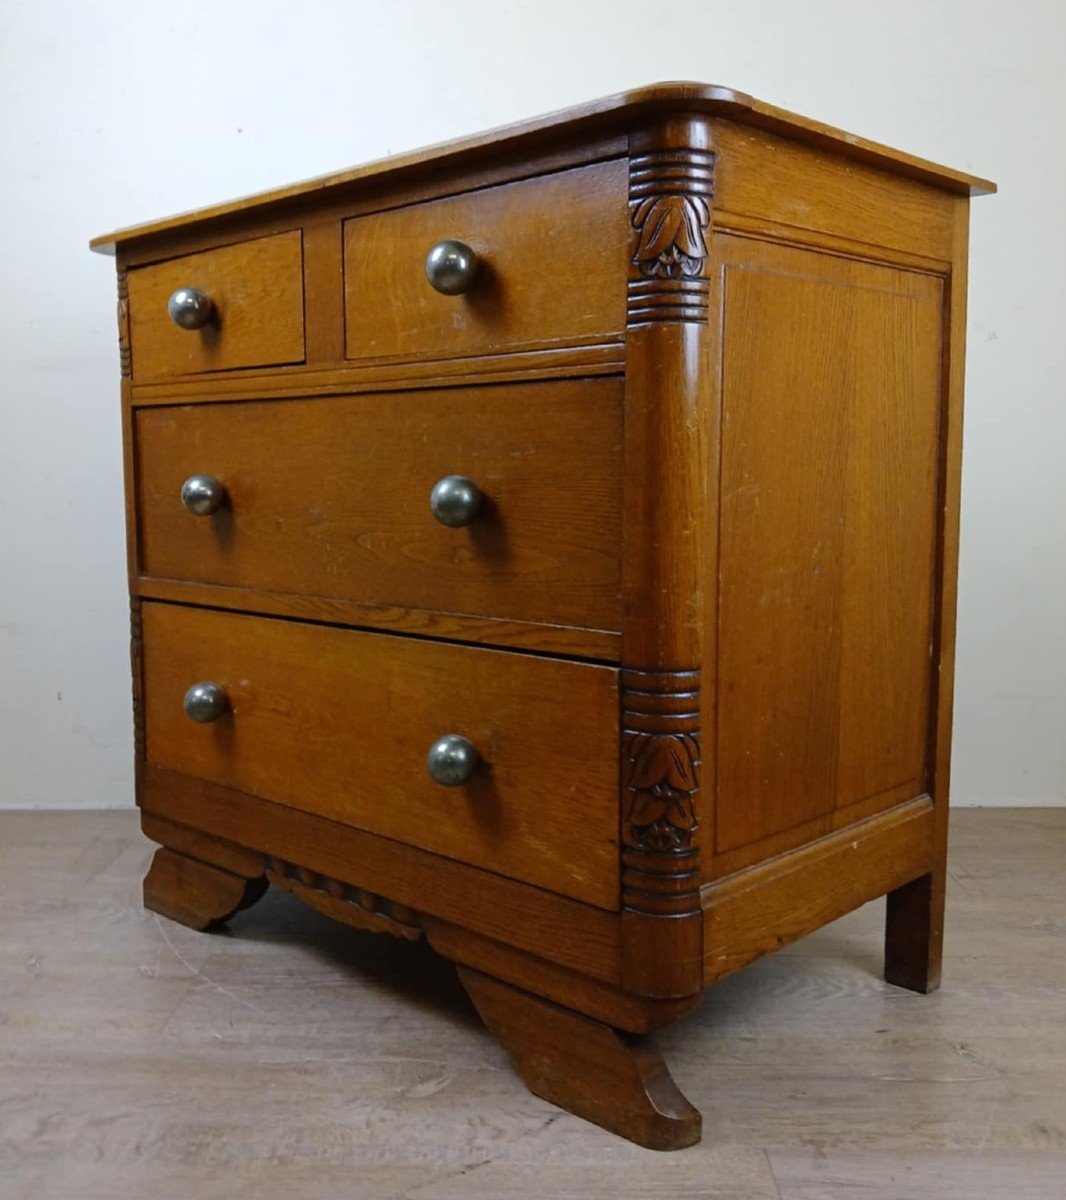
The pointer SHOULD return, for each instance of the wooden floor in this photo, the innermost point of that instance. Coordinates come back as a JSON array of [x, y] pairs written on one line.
[[290, 1057]]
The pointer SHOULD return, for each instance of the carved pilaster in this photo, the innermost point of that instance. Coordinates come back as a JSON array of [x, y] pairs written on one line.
[[670, 193], [668, 544], [124, 356], [660, 791], [136, 672]]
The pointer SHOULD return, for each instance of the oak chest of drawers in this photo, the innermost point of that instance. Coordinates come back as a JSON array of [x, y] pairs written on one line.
[[545, 545]]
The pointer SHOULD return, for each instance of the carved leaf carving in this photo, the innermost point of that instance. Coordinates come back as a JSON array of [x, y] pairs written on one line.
[[662, 777], [671, 239]]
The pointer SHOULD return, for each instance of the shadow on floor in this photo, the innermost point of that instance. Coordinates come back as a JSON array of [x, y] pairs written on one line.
[[415, 973]]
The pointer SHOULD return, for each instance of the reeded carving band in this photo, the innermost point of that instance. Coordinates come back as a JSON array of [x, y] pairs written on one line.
[[670, 194], [660, 784]]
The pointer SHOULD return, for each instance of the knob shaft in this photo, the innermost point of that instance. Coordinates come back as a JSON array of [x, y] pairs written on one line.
[[190, 308], [202, 495], [452, 760], [455, 501], [452, 267], [205, 702]]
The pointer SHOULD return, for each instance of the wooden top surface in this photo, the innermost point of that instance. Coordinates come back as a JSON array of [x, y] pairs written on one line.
[[611, 112]]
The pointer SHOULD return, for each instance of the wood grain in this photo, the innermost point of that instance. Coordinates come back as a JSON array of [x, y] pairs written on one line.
[[613, 1080], [914, 929], [710, 383], [323, 287], [828, 536], [581, 938], [338, 723], [256, 288], [195, 893], [594, 117], [810, 193], [668, 544], [344, 512], [534, 242], [581, 360], [572, 641], [767, 906]]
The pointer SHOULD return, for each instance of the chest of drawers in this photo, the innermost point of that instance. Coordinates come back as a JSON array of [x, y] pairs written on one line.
[[544, 545]]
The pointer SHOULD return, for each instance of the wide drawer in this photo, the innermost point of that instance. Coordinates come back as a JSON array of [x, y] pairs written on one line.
[[339, 722], [551, 255], [331, 497], [252, 301]]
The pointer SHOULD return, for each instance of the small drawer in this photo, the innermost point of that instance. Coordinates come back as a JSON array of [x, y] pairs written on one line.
[[239, 306], [335, 497], [548, 265], [348, 725]]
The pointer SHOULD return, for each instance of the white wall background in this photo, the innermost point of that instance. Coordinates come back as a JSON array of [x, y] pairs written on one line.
[[118, 112]]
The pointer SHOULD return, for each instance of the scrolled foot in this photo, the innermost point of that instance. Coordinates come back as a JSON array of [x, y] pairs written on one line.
[[195, 893], [616, 1080]]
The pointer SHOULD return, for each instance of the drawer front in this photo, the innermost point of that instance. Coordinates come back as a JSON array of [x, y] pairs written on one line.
[[338, 723], [254, 309], [331, 497], [551, 255]]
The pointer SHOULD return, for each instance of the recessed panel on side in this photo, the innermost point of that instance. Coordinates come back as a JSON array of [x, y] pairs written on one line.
[[830, 381]]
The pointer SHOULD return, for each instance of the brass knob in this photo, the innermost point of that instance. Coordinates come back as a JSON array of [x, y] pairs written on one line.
[[202, 495], [452, 267], [452, 760], [455, 501], [204, 702], [190, 308]]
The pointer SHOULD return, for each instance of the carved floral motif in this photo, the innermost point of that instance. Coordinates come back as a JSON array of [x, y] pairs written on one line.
[[670, 193], [661, 775], [671, 242]]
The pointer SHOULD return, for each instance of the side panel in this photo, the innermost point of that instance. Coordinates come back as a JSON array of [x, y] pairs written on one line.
[[830, 394]]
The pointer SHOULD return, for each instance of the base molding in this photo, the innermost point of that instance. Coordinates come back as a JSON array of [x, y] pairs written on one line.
[[584, 939], [342, 895], [764, 907]]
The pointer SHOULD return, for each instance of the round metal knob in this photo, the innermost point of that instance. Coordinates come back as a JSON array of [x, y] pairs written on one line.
[[204, 702], [202, 495], [452, 267], [455, 501], [190, 308], [452, 760]]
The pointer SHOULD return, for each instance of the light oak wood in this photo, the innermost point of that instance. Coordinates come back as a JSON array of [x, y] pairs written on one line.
[[530, 238], [333, 516], [828, 534], [581, 938], [712, 375], [765, 907], [613, 1080], [804, 193], [595, 116], [195, 893], [338, 723], [569, 640], [258, 309], [580, 361]]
